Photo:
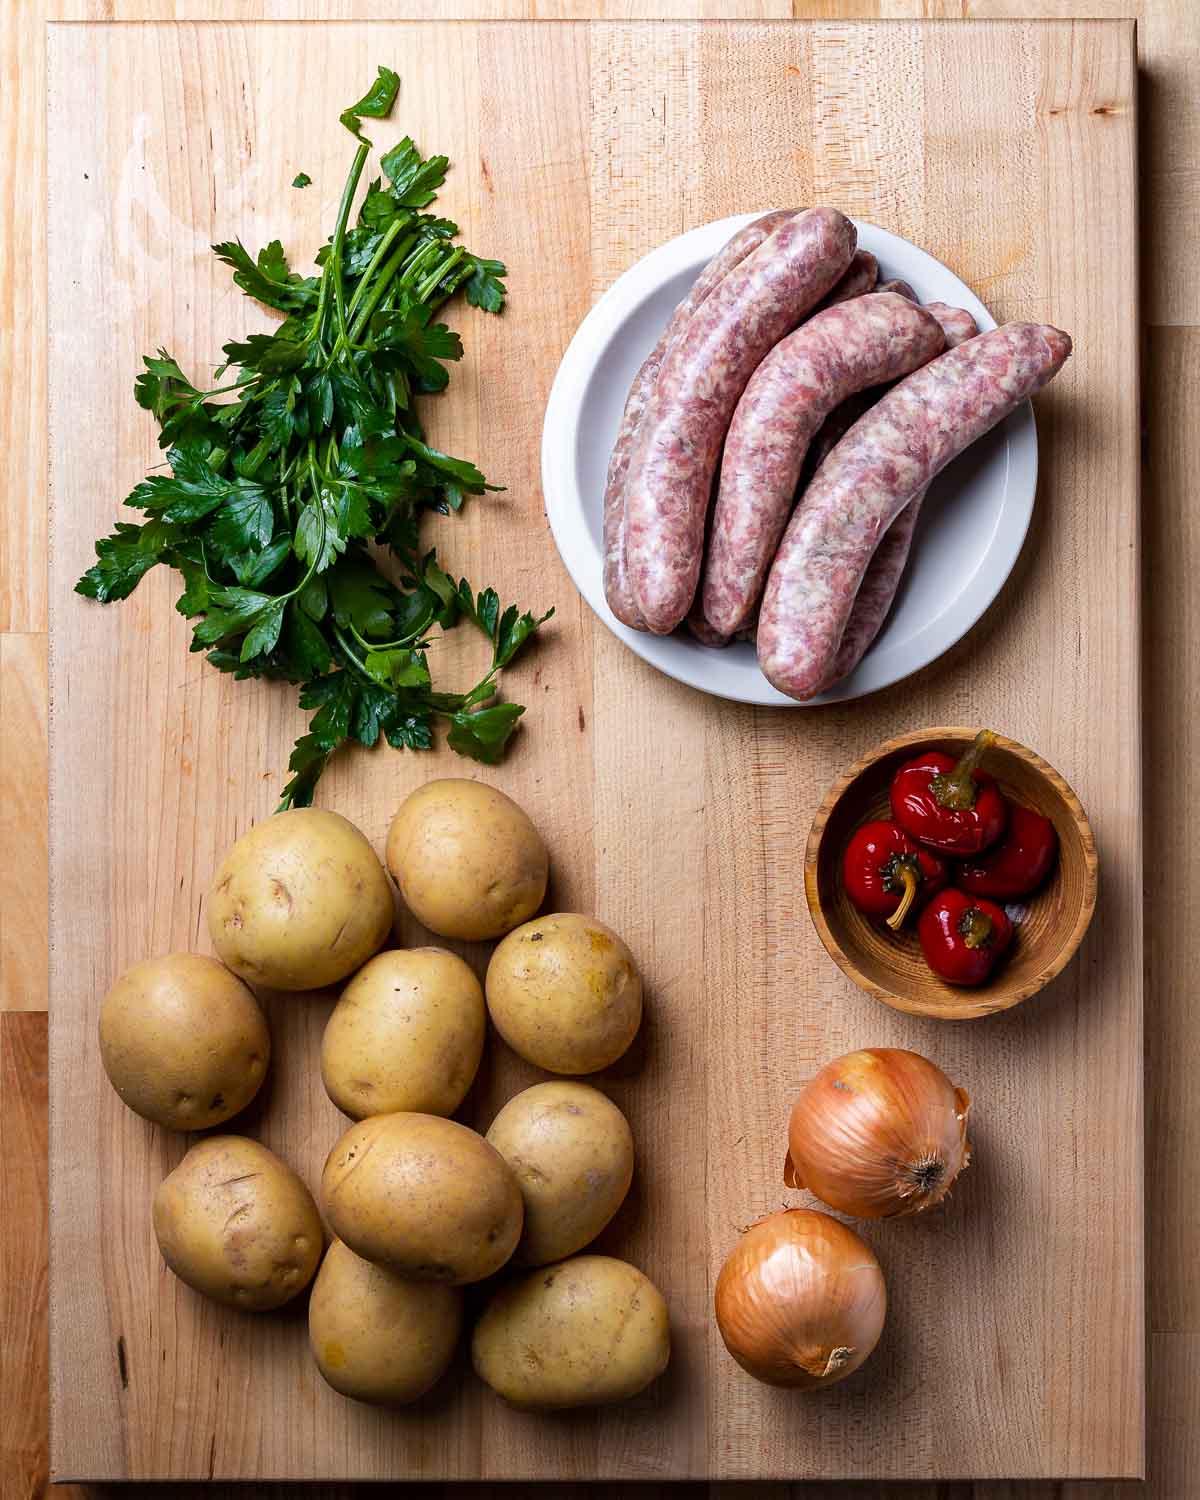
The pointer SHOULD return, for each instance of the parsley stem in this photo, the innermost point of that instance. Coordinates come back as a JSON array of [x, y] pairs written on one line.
[[385, 244], [461, 273], [333, 266], [404, 640], [351, 655], [222, 390], [431, 283], [419, 260], [381, 284]]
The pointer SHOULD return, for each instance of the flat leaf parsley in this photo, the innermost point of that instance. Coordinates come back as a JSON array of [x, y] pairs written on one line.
[[275, 495]]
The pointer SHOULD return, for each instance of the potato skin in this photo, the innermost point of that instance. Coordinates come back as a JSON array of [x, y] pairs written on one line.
[[377, 1337], [564, 993], [599, 1328], [424, 1196], [299, 902], [183, 1041], [406, 1035], [236, 1223], [468, 861], [572, 1151]]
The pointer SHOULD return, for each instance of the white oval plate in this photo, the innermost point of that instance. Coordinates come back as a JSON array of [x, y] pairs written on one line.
[[972, 525]]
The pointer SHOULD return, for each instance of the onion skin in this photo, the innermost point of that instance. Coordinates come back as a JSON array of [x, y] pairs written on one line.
[[878, 1133], [801, 1300]]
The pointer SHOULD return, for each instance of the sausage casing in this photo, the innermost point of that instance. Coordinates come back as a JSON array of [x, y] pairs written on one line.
[[901, 444], [848, 347], [616, 581], [877, 592], [702, 377]]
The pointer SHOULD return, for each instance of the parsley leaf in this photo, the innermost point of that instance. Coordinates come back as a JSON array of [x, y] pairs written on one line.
[[246, 519], [375, 104], [485, 286], [483, 733], [415, 181], [268, 279], [123, 560]]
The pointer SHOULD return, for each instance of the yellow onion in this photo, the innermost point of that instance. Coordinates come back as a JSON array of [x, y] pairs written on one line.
[[878, 1133], [801, 1300]]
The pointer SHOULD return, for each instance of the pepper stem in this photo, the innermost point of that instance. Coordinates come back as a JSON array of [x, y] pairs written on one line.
[[975, 927], [909, 878], [957, 789]]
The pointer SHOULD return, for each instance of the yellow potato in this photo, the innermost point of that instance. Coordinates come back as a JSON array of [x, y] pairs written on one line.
[[376, 1336], [407, 1034], [424, 1196], [572, 1151], [586, 1332], [468, 861], [183, 1041], [299, 902], [237, 1224], [564, 993]]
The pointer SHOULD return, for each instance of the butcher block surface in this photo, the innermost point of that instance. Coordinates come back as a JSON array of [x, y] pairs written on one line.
[[1014, 1342]]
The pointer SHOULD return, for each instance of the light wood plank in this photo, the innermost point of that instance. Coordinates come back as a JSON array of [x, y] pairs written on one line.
[[23, 816], [1172, 530], [24, 1447], [1169, 45], [23, 1276], [23, 320]]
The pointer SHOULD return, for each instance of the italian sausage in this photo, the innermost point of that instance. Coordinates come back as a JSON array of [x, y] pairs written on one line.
[[844, 349], [703, 375], [616, 583], [957, 325], [901, 289], [877, 591], [887, 456], [861, 275]]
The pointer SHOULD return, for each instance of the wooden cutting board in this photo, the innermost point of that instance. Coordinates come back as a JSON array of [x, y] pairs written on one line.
[[1014, 1345]]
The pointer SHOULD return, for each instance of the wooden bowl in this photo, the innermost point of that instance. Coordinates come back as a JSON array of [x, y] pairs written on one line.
[[890, 965]]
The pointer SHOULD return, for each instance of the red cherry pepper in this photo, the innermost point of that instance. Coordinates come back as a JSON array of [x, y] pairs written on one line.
[[884, 871], [949, 804], [1019, 862], [963, 937]]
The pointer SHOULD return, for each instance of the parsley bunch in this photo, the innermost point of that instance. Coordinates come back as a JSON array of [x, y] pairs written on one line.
[[274, 495]]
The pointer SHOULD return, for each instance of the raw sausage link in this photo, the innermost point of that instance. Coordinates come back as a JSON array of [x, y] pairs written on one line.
[[880, 582], [616, 582], [901, 289], [702, 377], [957, 325], [844, 349], [860, 278], [881, 463]]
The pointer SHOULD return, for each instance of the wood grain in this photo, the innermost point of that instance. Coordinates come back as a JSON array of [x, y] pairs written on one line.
[[679, 820], [1169, 47], [22, 324], [1172, 654], [23, 1251], [23, 878]]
